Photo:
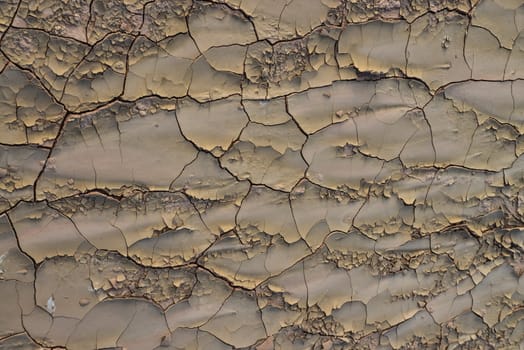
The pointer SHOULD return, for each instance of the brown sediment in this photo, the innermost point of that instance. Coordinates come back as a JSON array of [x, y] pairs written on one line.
[[223, 174]]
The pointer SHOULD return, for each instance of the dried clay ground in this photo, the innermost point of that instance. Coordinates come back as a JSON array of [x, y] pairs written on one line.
[[261, 174]]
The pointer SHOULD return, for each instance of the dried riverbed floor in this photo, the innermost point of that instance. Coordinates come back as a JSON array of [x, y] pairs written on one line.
[[261, 174]]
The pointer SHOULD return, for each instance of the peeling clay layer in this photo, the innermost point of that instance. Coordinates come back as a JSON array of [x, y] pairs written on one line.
[[249, 174]]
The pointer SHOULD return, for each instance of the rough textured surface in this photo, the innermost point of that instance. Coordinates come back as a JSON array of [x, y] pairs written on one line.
[[248, 174]]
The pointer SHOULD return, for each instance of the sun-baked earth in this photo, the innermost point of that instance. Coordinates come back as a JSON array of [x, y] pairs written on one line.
[[261, 174]]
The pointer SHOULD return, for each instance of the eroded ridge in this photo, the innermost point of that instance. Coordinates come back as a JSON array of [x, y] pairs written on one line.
[[248, 174]]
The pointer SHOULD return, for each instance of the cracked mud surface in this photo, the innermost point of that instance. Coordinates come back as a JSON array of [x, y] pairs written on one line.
[[248, 174]]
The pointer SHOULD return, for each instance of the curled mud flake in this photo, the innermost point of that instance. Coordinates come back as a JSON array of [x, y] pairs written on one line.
[[217, 25], [68, 19], [200, 122], [29, 114], [113, 16], [100, 76], [162, 68], [19, 169]]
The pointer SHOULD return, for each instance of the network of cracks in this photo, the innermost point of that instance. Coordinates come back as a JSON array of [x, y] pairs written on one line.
[[261, 174]]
